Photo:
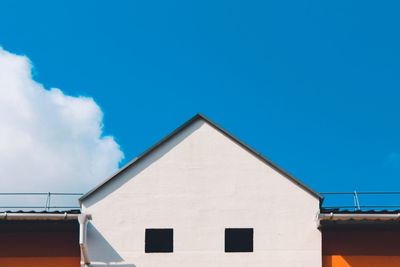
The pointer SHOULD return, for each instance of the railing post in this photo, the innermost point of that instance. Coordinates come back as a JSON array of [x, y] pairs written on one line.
[[48, 202], [356, 202]]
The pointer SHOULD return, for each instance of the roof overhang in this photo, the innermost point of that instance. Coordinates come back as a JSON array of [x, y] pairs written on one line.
[[24, 216], [358, 216]]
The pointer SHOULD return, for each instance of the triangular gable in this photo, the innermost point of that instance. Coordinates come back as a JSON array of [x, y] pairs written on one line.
[[221, 130]]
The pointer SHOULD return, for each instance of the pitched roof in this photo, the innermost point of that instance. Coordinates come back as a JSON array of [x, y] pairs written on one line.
[[221, 130]]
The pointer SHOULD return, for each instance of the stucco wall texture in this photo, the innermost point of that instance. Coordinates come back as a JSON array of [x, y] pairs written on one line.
[[200, 183]]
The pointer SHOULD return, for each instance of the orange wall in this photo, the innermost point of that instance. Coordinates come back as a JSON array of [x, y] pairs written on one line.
[[361, 261], [39, 243], [361, 246], [40, 262]]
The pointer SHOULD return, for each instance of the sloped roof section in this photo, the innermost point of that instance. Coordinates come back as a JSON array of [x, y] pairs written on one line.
[[221, 130]]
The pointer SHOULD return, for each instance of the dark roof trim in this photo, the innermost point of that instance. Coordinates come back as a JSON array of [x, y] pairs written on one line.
[[221, 130], [75, 211]]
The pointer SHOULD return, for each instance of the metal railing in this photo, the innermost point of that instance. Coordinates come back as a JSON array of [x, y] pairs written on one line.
[[49, 197], [35, 198], [385, 197]]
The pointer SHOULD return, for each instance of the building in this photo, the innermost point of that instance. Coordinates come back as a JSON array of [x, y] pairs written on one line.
[[45, 239], [198, 183], [360, 238], [201, 197]]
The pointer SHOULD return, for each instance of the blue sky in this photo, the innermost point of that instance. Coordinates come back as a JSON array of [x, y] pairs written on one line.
[[313, 85]]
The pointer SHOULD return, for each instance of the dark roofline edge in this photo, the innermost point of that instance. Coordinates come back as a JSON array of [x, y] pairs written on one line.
[[200, 116]]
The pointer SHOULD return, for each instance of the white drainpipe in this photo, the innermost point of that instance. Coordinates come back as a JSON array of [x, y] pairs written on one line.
[[83, 221]]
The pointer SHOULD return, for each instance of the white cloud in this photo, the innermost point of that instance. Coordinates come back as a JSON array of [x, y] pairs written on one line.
[[49, 141]]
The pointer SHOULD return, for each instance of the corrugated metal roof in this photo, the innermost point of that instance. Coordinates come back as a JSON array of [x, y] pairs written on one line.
[[359, 219]]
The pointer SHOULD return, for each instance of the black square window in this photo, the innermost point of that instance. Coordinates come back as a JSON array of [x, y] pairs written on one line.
[[159, 240], [239, 240]]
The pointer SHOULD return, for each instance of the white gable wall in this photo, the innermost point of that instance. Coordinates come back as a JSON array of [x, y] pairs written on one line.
[[200, 183]]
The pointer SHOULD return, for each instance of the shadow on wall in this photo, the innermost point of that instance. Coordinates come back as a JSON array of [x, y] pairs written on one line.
[[361, 261], [101, 253], [127, 174]]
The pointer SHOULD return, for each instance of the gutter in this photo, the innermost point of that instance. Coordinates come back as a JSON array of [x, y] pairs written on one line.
[[83, 220], [12, 216], [358, 216]]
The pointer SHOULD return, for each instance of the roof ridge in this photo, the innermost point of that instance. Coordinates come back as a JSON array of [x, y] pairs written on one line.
[[183, 126]]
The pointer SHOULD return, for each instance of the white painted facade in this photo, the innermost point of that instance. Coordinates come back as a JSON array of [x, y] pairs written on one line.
[[199, 183]]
